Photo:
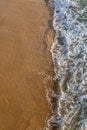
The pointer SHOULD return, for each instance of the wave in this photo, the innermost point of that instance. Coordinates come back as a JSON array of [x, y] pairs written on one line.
[[69, 55]]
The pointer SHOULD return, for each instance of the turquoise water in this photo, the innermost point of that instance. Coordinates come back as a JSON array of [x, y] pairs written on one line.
[[69, 54]]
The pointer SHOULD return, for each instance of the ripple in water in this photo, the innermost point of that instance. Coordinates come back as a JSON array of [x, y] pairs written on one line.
[[69, 54]]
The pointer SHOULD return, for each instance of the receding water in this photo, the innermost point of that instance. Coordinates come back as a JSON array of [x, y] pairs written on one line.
[[69, 54]]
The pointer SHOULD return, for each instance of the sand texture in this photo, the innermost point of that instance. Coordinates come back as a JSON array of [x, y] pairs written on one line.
[[24, 64]]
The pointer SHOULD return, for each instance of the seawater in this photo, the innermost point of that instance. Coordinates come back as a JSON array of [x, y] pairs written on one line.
[[69, 55]]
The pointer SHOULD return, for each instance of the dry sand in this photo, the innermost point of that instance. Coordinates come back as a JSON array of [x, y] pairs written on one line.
[[24, 64]]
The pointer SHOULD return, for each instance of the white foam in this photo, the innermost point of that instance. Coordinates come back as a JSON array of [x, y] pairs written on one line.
[[69, 54]]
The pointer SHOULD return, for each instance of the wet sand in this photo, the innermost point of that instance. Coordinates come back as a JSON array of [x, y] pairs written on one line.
[[24, 64]]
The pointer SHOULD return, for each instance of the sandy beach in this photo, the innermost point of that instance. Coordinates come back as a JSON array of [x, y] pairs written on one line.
[[24, 64]]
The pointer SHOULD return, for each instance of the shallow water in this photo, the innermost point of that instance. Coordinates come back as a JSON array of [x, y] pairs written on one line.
[[69, 54]]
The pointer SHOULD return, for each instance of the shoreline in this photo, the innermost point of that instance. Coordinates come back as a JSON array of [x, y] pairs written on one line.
[[25, 64]]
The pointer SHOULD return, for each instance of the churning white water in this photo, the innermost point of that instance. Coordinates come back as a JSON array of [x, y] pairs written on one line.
[[69, 54]]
